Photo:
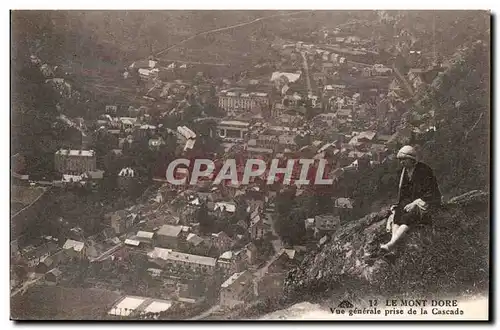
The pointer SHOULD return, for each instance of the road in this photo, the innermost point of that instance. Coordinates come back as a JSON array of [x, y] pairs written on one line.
[[403, 79], [277, 243], [306, 71], [108, 253], [206, 313], [192, 62], [359, 64], [27, 284], [278, 246], [228, 28]]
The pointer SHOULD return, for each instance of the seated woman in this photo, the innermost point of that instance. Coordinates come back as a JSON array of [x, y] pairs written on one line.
[[418, 194]]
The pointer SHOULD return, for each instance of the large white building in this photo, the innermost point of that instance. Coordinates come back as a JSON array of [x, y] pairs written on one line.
[[233, 129], [75, 161], [234, 102], [184, 261]]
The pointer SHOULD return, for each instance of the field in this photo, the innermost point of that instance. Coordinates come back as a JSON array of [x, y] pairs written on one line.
[[58, 303]]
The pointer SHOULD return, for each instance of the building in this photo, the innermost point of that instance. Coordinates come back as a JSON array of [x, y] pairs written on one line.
[[343, 203], [74, 249], [264, 141], [45, 265], [277, 110], [309, 224], [111, 109], [234, 102], [233, 129], [145, 131], [282, 261], [34, 255], [75, 161], [195, 243], [179, 261], [251, 252], [223, 207], [121, 221], [285, 77], [232, 261], [344, 114], [145, 237], [270, 285], [380, 70], [363, 140], [237, 289], [127, 179], [126, 172], [156, 143], [326, 222], [221, 241], [334, 90], [256, 228], [343, 208], [53, 276], [168, 236], [134, 306]]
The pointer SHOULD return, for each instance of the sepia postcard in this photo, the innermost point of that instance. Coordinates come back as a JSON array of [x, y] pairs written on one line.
[[250, 165]]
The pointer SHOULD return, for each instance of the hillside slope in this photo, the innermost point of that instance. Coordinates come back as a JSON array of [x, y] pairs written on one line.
[[450, 256]]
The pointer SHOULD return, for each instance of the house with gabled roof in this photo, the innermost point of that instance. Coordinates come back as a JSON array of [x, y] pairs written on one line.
[[237, 289], [168, 236], [221, 241], [256, 227], [74, 249]]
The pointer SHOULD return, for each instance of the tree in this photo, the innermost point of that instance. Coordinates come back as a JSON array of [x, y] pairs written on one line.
[[290, 216], [205, 220]]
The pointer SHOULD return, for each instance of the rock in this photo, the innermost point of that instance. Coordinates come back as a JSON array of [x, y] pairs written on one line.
[[429, 253]]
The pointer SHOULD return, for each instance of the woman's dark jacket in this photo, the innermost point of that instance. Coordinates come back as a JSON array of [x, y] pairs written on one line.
[[423, 185]]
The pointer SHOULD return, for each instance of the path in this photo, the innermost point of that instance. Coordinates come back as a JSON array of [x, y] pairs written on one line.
[[277, 243], [108, 253], [403, 79], [26, 285], [306, 71], [206, 313]]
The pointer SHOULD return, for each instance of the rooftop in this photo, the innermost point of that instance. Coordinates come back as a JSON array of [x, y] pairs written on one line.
[[74, 245], [191, 258], [132, 242], [186, 132], [127, 171], [228, 255], [343, 202], [158, 306], [242, 94], [291, 77], [56, 272], [194, 239], [232, 279], [127, 305], [159, 253], [145, 234], [169, 230], [234, 123], [81, 153], [223, 206]]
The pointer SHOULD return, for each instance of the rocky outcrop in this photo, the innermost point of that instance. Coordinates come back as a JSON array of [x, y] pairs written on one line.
[[451, 254]]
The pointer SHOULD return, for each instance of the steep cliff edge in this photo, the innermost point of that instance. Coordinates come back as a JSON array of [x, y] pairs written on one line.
[[451, 255]]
